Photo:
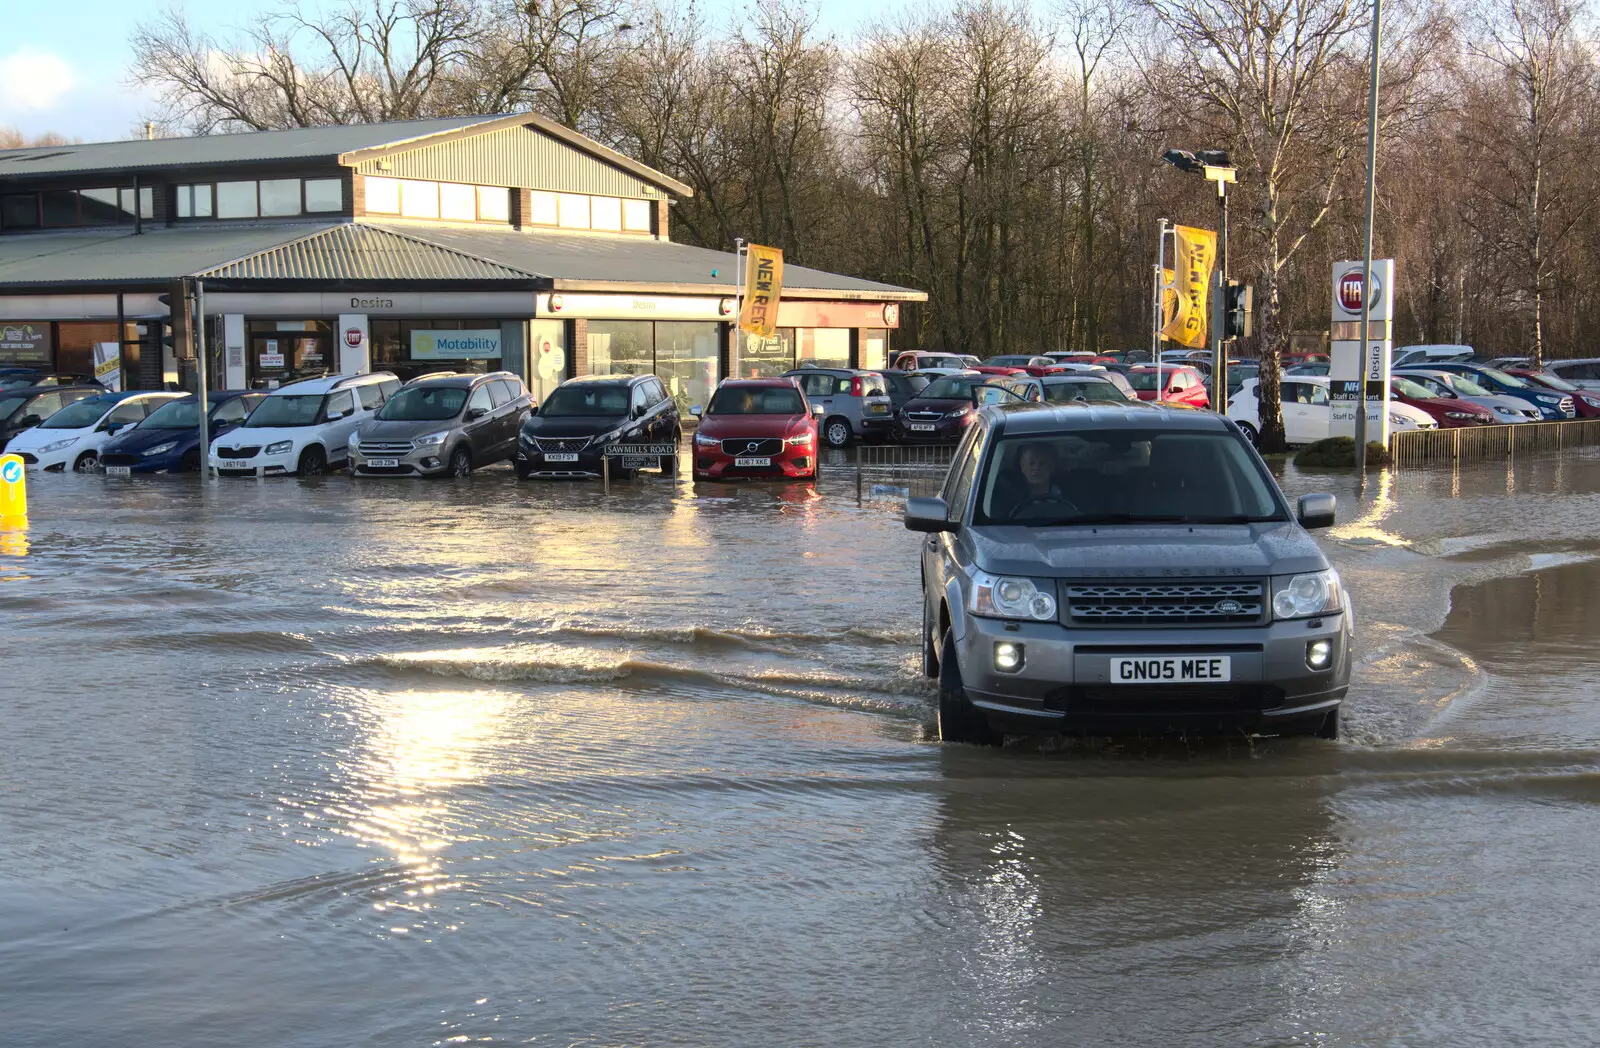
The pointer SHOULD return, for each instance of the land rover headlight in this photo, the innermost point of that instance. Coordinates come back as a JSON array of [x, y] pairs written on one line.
[[1304, 596], [282, 447], [1006, 597]]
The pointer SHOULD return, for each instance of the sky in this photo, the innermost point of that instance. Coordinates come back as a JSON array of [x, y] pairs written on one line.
[[69, 75]]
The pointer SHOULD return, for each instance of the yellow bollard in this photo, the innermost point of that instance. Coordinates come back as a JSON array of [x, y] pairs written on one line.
[[13, 490]]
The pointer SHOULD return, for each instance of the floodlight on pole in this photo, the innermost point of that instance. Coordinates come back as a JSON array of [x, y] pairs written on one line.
[[1214, 165]]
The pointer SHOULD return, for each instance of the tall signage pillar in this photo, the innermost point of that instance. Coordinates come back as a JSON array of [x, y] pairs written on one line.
[[1350, 365]]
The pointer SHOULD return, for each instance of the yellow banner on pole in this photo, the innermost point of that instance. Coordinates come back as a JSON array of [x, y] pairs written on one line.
[[1196, 258], [763, 286]]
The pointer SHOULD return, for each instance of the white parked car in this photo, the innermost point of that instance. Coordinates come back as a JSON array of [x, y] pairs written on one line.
[[1308, 413], [72, 437], [302, 428]]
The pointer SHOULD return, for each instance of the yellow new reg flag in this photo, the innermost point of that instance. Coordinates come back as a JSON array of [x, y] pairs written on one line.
[[763, 286]]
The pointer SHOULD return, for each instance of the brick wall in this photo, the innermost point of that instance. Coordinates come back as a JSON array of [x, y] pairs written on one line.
[[578, 339], [662, 209]]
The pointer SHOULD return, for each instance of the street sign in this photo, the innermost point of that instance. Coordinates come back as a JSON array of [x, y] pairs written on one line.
[[629, 450]]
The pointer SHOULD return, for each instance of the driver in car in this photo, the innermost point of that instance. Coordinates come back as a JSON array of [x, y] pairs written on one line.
[[1036, 466]]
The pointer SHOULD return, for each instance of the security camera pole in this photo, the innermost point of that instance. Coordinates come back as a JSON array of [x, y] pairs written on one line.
[[1215, 166]]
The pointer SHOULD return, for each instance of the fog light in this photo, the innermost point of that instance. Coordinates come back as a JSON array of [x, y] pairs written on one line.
[[1319, 653], [1007, 657]]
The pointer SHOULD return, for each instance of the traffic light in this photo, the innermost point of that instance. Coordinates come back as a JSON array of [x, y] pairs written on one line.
[[1238, 323]]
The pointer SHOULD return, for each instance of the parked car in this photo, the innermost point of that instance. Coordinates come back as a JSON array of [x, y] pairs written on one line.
[[941, 413], [25, 408], [1585, 403], [1507, 410], [1585, 374], [758, 428], [26, 379], [302, 427], [168, 441], [1308, 412], [1449, 412], [1033, 364], [566, 436], [1105, 569], [926, 360], [855, 404], [1506, 363], [1550, 404], [73, 437], [1429, 356], [1068, 389], [1239, 371], [1310, 367], [903, 386], [442, 424], [1180, 384]]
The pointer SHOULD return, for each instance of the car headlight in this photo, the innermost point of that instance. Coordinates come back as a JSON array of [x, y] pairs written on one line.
[[1399, 420], [1459, 414], [282, 447], [958, 412], [703, 441], [1303, 596], [432, 438], [799, 442], [355, 438], [1004, 597], [1548, 400], [57, 445], [159, 449], [1507, 411]]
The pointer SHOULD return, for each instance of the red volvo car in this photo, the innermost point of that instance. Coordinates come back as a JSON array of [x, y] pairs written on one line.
[[758, 427]]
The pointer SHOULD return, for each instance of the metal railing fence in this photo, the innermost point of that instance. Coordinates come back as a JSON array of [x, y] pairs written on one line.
[[1434, 447]]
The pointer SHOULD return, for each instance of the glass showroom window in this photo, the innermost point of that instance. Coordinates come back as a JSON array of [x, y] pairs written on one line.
[[824, 347], [767, 358], [874, 349], [686, 360], [621, 347]]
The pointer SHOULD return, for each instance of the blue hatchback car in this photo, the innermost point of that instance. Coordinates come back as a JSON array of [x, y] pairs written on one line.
[[1550, 403], [169, 440]]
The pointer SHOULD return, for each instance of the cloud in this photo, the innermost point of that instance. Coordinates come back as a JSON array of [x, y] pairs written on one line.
[[33, 80]]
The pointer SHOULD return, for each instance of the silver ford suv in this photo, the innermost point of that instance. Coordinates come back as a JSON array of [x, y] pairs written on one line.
[[1103, 569]]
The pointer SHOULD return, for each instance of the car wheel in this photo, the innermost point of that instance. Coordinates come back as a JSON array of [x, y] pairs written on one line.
[[523, 471], [190, 463], [930, 653], [959, 719], [88, 462], [461, 462], [313, 462], [1250, 434], [836, 431], [1329, 728]]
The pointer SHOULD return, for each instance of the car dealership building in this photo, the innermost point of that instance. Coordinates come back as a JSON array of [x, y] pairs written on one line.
[[487, 242]]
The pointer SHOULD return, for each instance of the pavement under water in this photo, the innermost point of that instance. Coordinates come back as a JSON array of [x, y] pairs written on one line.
[[315, 762]]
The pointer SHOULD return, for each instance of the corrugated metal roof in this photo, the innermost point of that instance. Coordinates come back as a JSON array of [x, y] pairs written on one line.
[[299, 143], [116, 256], [363, 252], [627, 260]]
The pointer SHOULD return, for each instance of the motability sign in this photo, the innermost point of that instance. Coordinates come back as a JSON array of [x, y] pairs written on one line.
[[480, 344], [763, 286]]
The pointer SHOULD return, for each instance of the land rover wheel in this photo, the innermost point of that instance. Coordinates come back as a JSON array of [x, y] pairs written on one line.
[[1329, 728], [959, 719], [930, 652]]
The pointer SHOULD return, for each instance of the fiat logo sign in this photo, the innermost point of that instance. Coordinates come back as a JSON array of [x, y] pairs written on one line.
[[1350, 290], [353, 338]]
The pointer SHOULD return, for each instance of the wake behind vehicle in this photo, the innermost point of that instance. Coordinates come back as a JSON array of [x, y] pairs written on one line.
[[757, 428], [73, 437], [168, 441], [442, 424], [1103, 569], [302, 428], [566, 437]]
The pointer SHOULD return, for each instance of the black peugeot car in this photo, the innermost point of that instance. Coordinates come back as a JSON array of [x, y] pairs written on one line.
[[941, 413], [567, 435]]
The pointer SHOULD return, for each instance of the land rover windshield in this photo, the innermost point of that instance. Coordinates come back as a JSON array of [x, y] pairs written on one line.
[[1124, 476]]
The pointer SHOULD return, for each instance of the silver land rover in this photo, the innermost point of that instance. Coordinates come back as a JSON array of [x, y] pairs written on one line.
[[1105, 569]]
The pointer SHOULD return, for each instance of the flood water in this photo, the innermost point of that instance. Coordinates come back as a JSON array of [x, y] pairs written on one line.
[[326, 762]]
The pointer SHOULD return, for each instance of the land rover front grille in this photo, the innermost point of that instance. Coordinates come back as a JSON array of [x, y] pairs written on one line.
[[1121, 604]]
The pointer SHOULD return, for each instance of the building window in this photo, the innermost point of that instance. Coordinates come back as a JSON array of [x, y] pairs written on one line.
[[194, 201], [574, 211], [236, 200], [59, 207], [636, 216], [543, 209], [605, 213], [494, 204], [280, 197], [621, 347], [419, 199], [874, 349], [56, 208], [457, 202], [383, 195], [99, 207], [769, 357], [686, 360], [324, 195], [823, 347]]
